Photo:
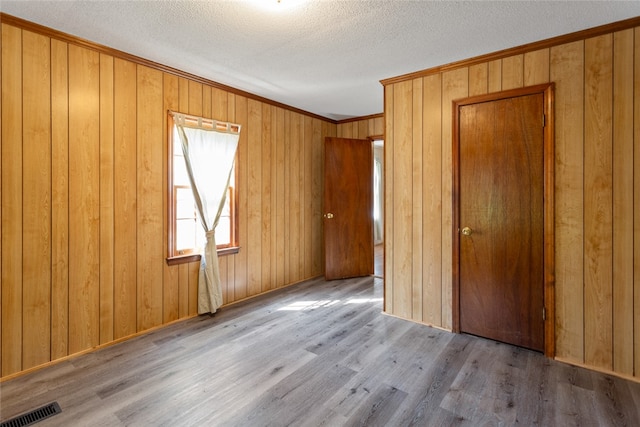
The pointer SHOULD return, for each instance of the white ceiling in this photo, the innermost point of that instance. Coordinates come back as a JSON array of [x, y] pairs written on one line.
[[322, 56]]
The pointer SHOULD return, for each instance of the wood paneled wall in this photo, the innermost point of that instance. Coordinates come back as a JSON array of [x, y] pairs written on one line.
[[597, 190], [83, 189], [362, 128]]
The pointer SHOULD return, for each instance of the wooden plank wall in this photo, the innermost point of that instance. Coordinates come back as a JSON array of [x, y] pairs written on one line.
[[597, 191], [362, 128], [83, 189]]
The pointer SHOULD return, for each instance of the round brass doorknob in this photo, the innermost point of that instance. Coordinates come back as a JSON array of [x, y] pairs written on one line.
[[328, 215], [467, 231]]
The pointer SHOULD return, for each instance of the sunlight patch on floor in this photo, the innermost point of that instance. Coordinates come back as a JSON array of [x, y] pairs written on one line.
[[363, 300], [312, 305], [308, 305]]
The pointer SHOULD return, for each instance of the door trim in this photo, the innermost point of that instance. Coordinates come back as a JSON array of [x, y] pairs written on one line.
[[547, 90]]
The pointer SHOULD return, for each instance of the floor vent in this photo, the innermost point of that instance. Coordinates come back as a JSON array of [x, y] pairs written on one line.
[[34, 416]]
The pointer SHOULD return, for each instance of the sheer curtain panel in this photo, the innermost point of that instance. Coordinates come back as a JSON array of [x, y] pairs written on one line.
[[209, 155]]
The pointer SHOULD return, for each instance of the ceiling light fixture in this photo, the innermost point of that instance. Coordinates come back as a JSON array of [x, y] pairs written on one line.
[[277, 5]]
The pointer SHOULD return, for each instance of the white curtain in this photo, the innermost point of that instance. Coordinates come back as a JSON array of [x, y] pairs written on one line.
[[209, 156]]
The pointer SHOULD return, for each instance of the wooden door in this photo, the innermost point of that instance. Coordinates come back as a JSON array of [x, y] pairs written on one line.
[[501, 219], [348, 208]]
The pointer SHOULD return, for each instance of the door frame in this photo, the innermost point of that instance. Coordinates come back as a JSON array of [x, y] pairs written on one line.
[[547, 90]]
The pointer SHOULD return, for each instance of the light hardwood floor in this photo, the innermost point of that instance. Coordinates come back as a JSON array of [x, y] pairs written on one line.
[[319, 353]]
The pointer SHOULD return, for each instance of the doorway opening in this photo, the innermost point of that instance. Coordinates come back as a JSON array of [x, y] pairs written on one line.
[[378, 206]]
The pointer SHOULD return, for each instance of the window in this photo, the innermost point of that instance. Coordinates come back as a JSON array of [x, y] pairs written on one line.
[[186, 234]]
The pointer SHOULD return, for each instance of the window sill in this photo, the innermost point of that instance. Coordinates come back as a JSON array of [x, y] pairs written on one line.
[[183, 259], [228, 251]]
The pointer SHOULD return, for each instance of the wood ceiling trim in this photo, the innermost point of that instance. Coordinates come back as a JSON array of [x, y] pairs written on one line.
[[357, 119], [59, 35], [529, 47]]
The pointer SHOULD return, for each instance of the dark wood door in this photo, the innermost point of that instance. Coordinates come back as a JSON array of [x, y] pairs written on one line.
[[348, 208], [501, 220]]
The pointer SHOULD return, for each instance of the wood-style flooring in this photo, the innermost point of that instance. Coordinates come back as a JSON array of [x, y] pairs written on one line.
[[319, 353], [378, 260]]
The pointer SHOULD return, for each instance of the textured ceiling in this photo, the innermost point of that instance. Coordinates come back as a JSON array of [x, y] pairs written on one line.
[[322, 56]]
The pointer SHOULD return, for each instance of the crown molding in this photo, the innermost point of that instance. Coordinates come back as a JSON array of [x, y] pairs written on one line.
[[525, 48], [59, 35]]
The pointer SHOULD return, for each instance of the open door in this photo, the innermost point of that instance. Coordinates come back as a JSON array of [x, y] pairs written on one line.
[[348, 208]]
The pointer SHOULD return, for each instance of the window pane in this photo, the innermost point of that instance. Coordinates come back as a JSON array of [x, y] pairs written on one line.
[[177, 145], [186, 234], [225, 208], [180, 176], [185, 205], [201, 237], [223, 231]]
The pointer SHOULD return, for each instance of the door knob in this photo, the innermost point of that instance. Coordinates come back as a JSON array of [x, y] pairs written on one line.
[[467, 231], [328, 215]]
